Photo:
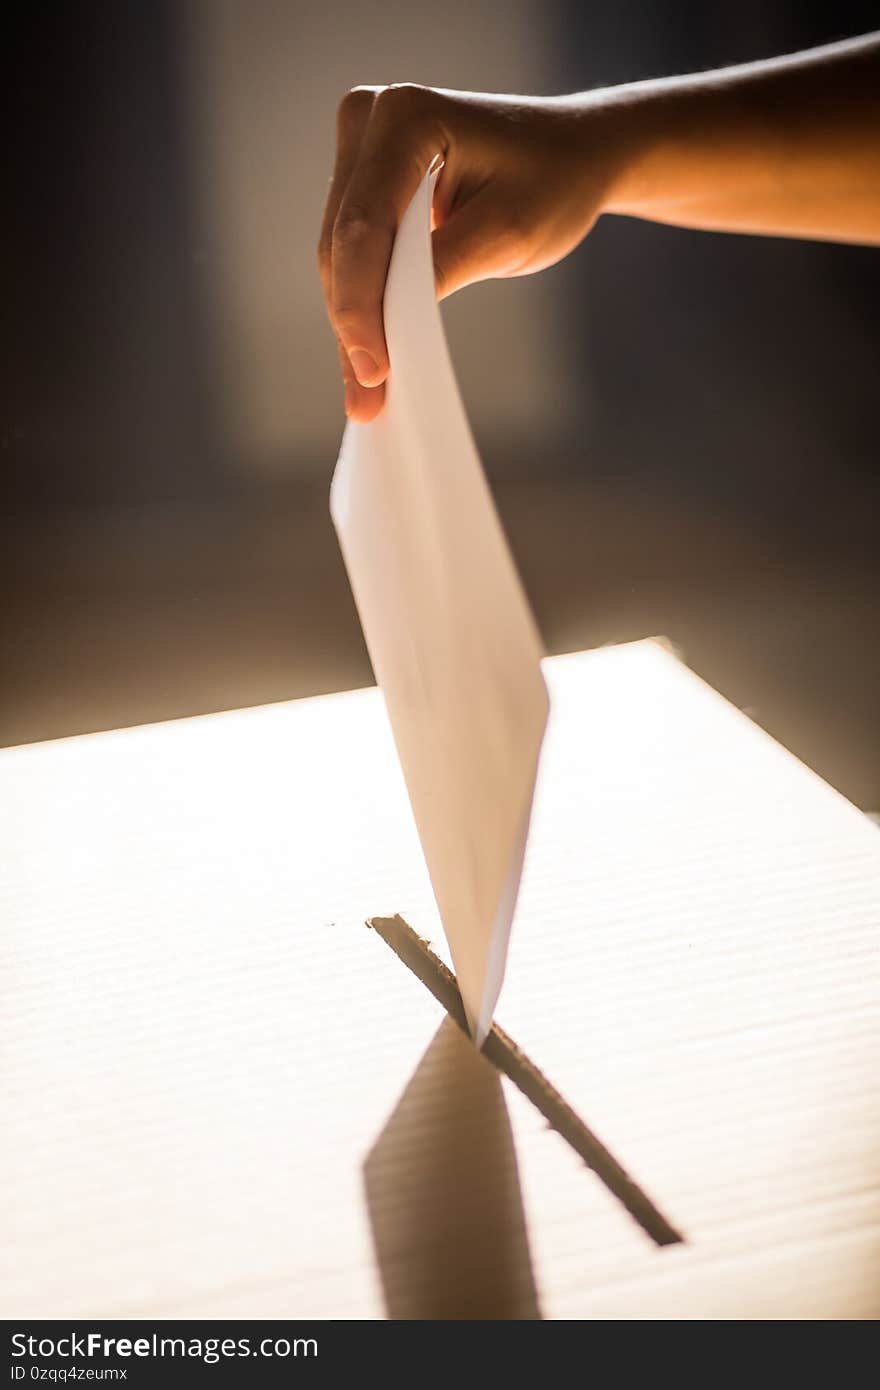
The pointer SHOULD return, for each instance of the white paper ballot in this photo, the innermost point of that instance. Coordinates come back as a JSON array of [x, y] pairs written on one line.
[[448, 628]]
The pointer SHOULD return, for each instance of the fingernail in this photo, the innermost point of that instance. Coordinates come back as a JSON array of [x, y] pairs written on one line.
[[366, 369]]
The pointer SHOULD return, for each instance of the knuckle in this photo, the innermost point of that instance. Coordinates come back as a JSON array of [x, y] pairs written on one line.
[[353, 109], [352, 227], [323, 258], [405, 98], [350, 321]]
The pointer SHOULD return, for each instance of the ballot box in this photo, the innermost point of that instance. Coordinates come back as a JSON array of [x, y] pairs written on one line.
[[223, 1095]]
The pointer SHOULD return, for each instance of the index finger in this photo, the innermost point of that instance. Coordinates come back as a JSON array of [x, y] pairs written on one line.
[[403, 134], [351, 122]]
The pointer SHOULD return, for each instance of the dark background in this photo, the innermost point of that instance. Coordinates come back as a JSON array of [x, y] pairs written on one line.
[[680, 427]]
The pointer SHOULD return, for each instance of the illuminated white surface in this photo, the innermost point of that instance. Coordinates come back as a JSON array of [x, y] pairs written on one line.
[[201, 1042]]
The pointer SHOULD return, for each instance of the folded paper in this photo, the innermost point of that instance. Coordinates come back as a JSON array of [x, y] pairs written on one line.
[[448, 628]]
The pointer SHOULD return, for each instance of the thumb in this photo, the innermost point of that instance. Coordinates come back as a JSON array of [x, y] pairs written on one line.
[[473, 244]]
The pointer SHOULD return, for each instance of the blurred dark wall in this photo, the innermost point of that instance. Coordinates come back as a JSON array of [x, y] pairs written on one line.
[[102, 377], [680, 427], [164, 335], [740, 370], [737, 371]]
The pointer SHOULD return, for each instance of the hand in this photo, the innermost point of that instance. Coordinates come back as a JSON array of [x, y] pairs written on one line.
[[785, 147], [515, 195]]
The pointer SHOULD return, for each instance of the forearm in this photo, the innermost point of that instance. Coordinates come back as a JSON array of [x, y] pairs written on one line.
[[788, 147]]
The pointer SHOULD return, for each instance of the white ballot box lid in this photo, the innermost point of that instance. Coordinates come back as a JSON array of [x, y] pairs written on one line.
[[222, 1095]]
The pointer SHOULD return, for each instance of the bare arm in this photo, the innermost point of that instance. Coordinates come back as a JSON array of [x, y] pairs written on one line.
[[787, 147]]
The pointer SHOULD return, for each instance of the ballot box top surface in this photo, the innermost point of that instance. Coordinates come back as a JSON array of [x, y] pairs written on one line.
[[222, 1095]]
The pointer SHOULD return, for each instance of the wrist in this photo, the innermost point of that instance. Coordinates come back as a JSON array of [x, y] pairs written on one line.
[[610, 136], [669, 140], [627, 133]]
